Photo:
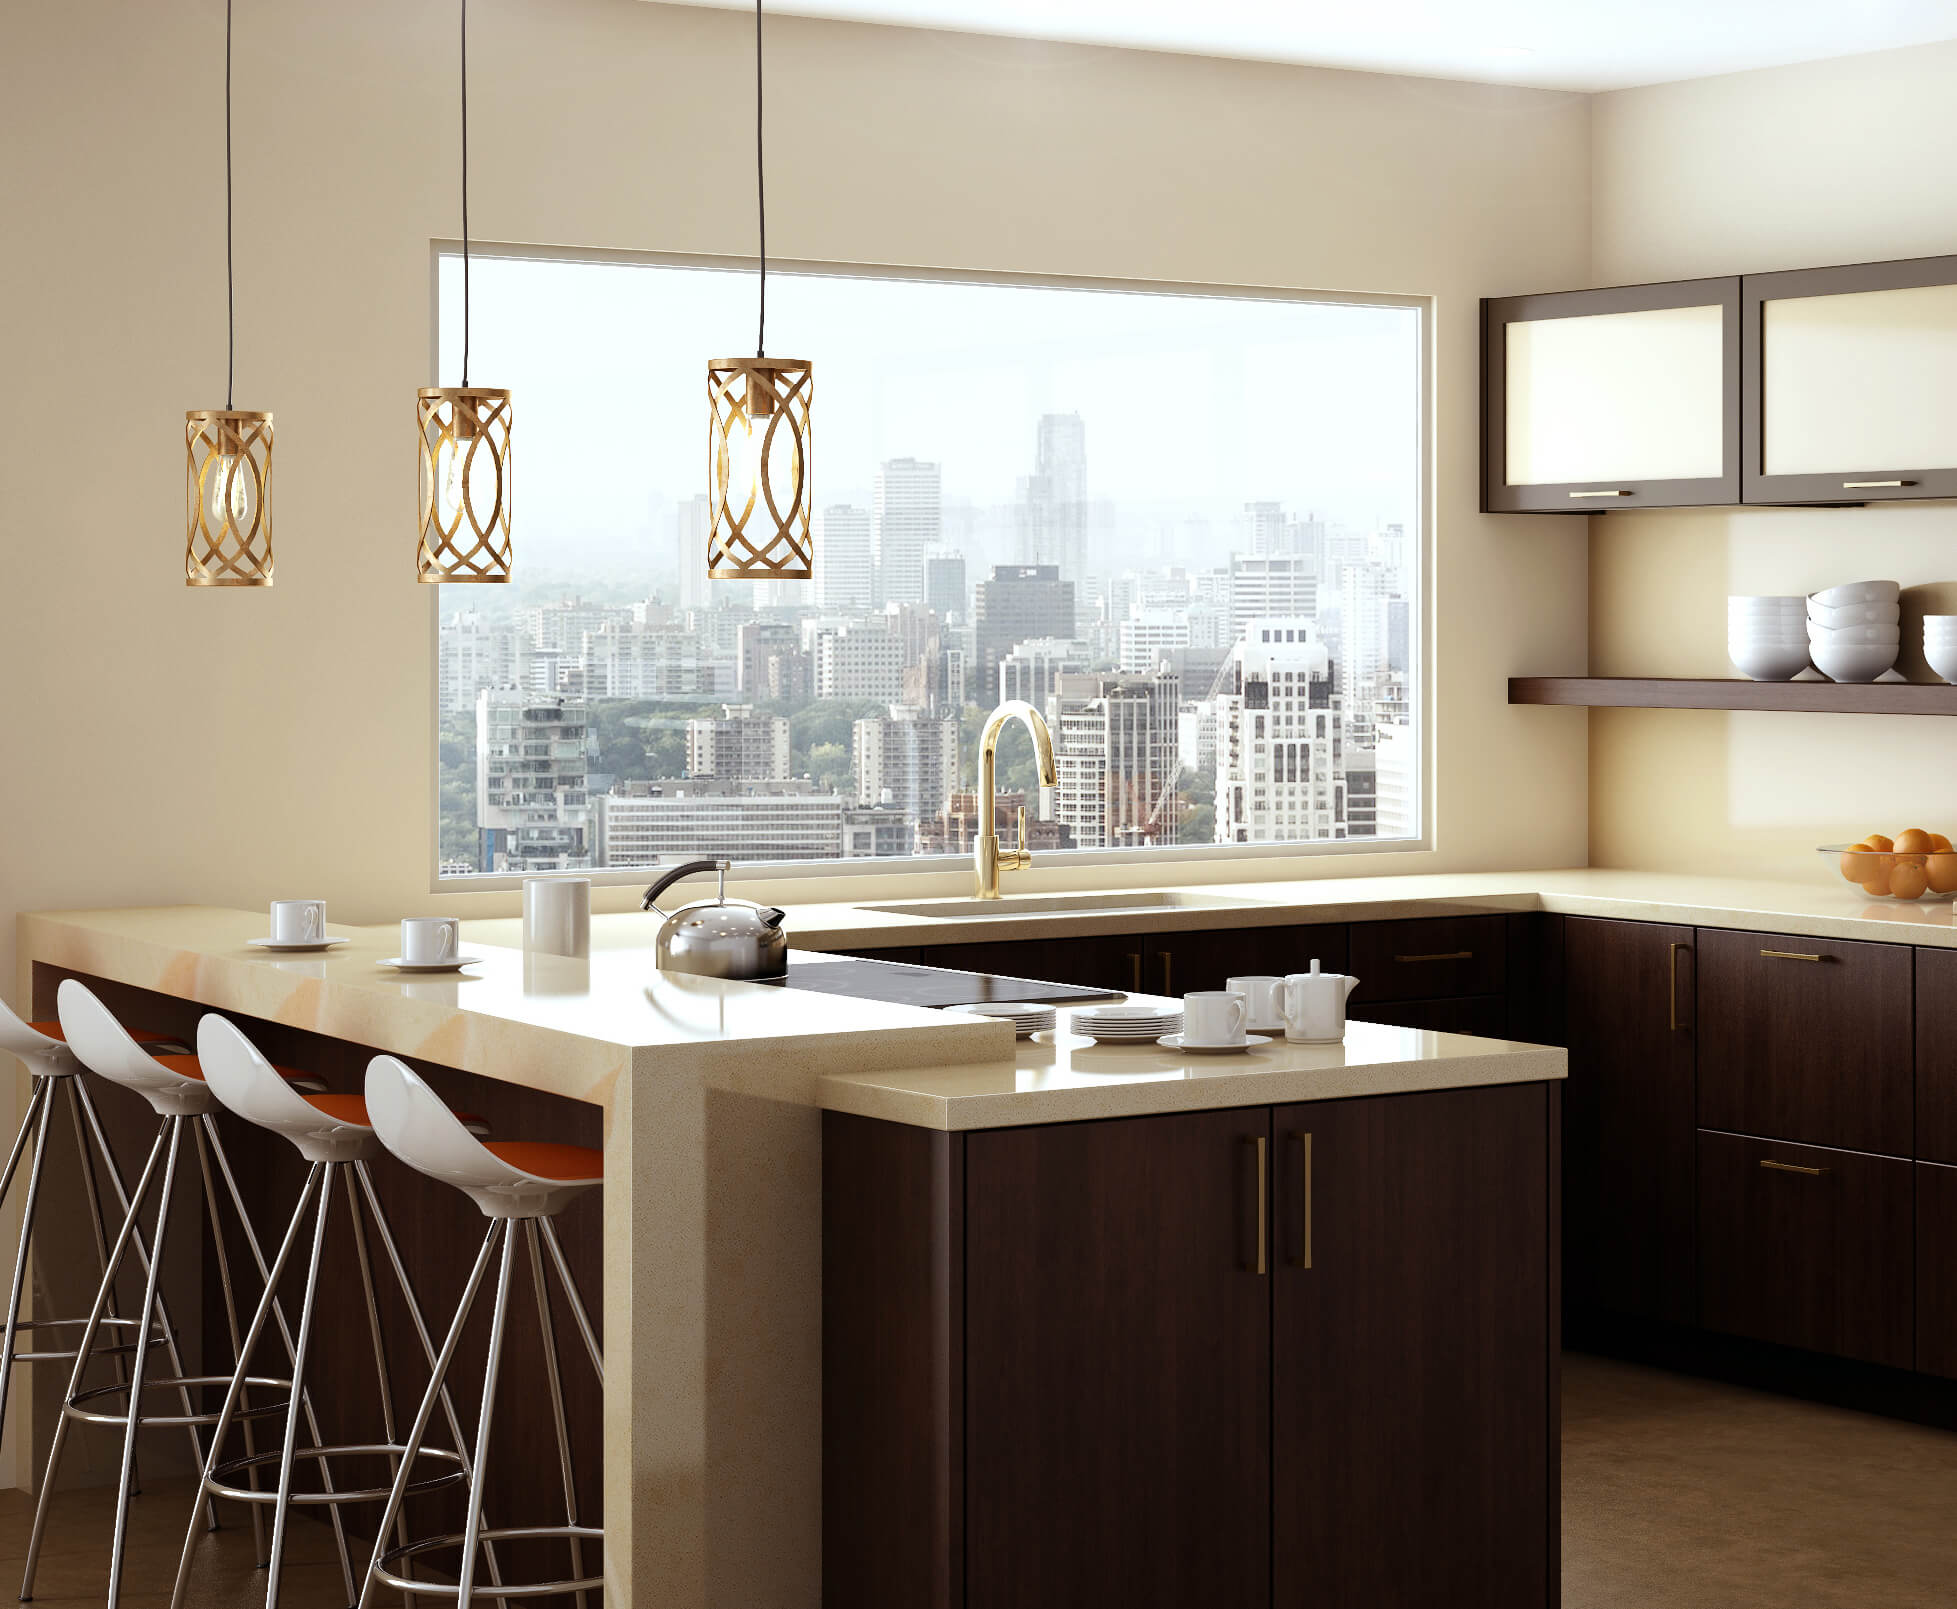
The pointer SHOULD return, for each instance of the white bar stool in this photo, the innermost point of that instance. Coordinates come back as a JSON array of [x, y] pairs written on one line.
[[174, 1087], [333, 1134], [56, 1072], [513, 1182]]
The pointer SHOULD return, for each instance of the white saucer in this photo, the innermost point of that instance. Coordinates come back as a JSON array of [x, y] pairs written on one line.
[[456, 965], [305, 944], [1250, 1042]]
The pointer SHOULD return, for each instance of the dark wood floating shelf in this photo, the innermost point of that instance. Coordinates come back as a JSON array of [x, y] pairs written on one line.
[[1659, 693]]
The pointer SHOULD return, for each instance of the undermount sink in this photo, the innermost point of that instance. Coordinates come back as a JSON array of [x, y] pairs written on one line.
[[1062, 904]]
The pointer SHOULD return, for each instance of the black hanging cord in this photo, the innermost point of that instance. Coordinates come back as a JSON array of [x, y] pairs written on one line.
[[760, 190], [230, 274], [465, 192]]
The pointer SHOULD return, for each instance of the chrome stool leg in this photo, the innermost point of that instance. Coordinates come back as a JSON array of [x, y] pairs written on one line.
[[39, 1108], [556, 1382], [92, 1190]]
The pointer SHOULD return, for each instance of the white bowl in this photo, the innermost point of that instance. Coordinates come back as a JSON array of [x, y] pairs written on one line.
[[1943, 659], [1857, 635], [1853, 662], [1793, 631], [1856, 614], [1858, 592], [1768, 662], [1940, 625], [1765, 604]]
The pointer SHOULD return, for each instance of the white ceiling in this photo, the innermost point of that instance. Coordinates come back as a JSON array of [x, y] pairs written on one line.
[[1560, 44]]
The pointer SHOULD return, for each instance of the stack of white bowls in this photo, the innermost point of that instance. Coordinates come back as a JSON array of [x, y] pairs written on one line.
[[1940, 645], [1766, 638], [1854, 633]]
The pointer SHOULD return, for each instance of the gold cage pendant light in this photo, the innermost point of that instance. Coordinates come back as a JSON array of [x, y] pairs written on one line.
[[462, 443], [227, 451], [759, 435]]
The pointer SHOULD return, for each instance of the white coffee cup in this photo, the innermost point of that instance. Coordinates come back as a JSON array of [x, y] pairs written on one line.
[[1263, 999], [557, 915], [429, 940], [298, 921], [1213, 1017]]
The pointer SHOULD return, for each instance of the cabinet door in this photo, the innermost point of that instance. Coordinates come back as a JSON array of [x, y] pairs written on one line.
[[1936, 1055], [1486, 1015], [1620, 398], [1180, 962], [1102, 963], [1808, 1040], [1850, 388], [1629, 1123], [1429, 958], [1807, 1247], [1117, 1357], [1414, 1416], [1936, 1270]]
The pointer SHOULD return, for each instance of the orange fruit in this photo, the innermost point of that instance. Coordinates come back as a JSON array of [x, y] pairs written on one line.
[[1858, 863], [1939, 843], [1876, 840], [1909, 880], [1914, 841], [1942, 872], [1879, 888]]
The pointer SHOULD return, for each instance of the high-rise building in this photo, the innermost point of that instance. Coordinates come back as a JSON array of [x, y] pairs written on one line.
[[1266, 527], [1033, 669], [1281, 740], [1397, 780], [1051, 516], [475, 653], [1399, 636], [532, 811], [861, 660], [877, 831], [647, 662], [909, 522], [1362, 637], [1149, 636], [944, 586], [755, 642], [738, 746], [691, 521], [845, 560], [1117, 752], [559, 628], [907, 759], [1269, 586], [1019, 603], [639, 823]]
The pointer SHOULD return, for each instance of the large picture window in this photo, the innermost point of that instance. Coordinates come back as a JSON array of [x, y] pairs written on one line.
[[1184, 526]]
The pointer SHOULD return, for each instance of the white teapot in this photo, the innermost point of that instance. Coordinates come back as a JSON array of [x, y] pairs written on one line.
[[1314, 1006]]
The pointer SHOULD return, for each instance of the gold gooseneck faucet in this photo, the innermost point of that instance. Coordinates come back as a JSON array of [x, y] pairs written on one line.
[[988, 859]]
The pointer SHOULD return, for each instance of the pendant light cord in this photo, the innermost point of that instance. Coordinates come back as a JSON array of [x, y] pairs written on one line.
[[465, 192], [760, 190], [230, 272]]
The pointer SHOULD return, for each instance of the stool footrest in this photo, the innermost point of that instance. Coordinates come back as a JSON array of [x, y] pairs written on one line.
[[511, 1533], [74, 1410], [122, 1350], [221, 1477]]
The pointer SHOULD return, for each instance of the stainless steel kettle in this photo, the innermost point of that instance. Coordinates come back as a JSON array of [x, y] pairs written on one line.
[[719, 938]]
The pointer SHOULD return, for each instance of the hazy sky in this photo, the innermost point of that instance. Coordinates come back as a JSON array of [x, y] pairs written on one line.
[[1186, 399]]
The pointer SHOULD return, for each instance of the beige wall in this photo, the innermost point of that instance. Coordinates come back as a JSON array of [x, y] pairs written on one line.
[[174, 745], [1853, 160]]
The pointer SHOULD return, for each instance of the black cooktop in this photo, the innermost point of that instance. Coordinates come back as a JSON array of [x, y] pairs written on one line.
[[902, 984]]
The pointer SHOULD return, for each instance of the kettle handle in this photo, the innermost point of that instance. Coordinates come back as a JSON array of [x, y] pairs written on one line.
[[690, 869]]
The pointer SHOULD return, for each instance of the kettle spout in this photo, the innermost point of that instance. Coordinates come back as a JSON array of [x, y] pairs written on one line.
[[1351, 983]]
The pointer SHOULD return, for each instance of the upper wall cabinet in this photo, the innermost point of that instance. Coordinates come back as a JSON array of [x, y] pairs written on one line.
[[1602, 399], [1851, 383]]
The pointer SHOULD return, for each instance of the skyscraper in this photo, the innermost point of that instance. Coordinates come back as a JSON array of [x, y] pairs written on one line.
[[1117, 749], [1281, 740], [531, 807], [908, 756], [690, 522], [845, 565], [909, 522], [738, 746], [944, 586], [1264, 586], [1052, 510], [1019, 602]]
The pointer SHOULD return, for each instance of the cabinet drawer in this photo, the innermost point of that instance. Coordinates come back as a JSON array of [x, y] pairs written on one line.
[[1177, 963], [1429, 958], [1807, 1040], [1936, 1270], [1486, 1015], [1807, 1247], [1936, 1055]]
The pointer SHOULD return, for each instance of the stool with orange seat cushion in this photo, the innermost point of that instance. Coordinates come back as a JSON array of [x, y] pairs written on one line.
[[174, 1086], [516, 1184], [332, 1133]]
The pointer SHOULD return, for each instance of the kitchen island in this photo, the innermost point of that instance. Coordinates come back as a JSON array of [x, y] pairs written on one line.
[[709, 1096]]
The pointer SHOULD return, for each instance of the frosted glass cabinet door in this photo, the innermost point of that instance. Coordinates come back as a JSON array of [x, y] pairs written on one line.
[[1622, 398], [1851, 383]]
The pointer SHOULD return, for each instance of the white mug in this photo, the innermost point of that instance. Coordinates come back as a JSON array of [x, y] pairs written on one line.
[[1263, 1005], [1213, 1017], [429, 940], [1314, 1006], [557, 915], [298, 921]]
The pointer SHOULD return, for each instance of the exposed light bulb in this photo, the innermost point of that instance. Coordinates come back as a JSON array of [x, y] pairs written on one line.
[[230, 490], [744, 445], [449, 459]]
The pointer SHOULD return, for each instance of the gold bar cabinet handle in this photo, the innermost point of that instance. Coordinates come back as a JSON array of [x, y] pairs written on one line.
[[1449, 955], [1263, 1191], [1135, 973], [1863, 485], [1674, 981], [1790, 1167], [1303, 1259], [1168, 972], [1790, 955], [1613, 493]]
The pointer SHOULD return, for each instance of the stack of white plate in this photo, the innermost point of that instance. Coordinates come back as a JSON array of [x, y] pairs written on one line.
[[1125, 1025], [1766, 638], [1940, 645], [1855, 632], [1026, 1019]]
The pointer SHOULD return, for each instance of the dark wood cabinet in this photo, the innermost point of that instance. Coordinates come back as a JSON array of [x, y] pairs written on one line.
[[1537, 964], [1486, 1015], [1630, 1139], [1936, 1055], [1155, 963], [1414, 1415], [1809, 1040], [1428, 958], [1936, 1269], [1626, 397], [1117, 1364], [1808, 1247], [1101, 963]]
